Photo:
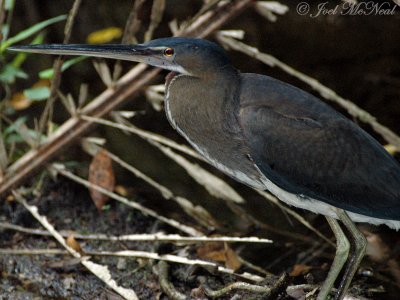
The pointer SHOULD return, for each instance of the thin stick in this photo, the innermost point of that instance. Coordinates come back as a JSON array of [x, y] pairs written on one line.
[[156, 237], [147, 135], [100, 271], [56, 79], [298, 217], [184, 228], [197, 212]]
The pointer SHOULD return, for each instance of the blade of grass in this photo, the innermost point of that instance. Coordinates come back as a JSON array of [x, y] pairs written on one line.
[[30, 31]]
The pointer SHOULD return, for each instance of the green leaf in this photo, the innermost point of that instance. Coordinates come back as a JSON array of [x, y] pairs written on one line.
[[21, 56], [14, 126], [9, 73], [5, 30], [30, 31], [37, 93], [9, 4], [48, 73]]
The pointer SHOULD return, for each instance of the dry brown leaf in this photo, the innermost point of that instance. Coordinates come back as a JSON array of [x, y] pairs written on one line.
[[73, 243], [232, 260], [213, 251], [119, 189], [220, 252], [19, 101], [101, 173], [377, 249], [300, 269]]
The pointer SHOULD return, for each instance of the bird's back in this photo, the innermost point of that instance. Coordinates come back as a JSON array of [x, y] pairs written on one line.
[[307, 148]]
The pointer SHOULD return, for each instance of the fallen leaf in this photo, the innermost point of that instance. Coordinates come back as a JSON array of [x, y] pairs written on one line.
[[377, 249], [121, 190], [214, 251], [232, 260], [220, 252], [101, 173], [300, 269], [73, 243]]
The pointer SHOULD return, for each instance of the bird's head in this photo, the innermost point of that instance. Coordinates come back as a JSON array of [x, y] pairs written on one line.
[[189, 56]]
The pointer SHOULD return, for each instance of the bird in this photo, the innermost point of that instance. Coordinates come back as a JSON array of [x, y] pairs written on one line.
[[270, 135]]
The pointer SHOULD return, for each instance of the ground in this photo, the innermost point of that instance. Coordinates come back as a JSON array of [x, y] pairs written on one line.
[[68, 206]]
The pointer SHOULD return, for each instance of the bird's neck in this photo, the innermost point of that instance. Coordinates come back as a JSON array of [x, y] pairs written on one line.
[[202, 100]]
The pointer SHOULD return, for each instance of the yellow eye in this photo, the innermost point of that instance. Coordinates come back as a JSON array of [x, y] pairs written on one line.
[[169, 52]]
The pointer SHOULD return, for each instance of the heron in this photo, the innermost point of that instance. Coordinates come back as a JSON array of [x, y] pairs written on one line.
[[270, 135]]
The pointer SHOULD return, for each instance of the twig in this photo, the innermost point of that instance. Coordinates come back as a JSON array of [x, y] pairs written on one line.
[[147, 135], [212, 20], [34, 251], [124, 89], [56, 79], [197, 212], [156, 237], [145, 255], [298, 217], [132, 26], [157, 12], [324, 91], [214, 185], [100, 271], [249, 287], [162, 269], [184, 228], [133, 23]]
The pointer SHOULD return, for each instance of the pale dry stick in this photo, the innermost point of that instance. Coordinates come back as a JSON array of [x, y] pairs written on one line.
[[147, 135], [294, 214], [124, 89], [34, 251], [200, 214], [58, 168], [213, 184], [132, 26], [180, 260], [157, 12], [142, 254], [100, 271], [56, 79], [156, 237], [324, 91]]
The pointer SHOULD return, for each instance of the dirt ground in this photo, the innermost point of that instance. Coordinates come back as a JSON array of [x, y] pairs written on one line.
[[69, 207]]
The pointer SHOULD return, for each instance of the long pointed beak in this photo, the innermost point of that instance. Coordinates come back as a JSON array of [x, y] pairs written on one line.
[[136, 53]]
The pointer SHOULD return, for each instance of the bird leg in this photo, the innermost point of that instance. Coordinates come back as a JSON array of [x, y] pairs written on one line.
[[359, 243], [342, 252]]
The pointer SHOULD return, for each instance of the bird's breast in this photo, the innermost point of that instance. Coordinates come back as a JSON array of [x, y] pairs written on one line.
[[204, 113]]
